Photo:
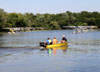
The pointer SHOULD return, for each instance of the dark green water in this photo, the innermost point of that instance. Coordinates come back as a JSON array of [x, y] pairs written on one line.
[[82, 56]]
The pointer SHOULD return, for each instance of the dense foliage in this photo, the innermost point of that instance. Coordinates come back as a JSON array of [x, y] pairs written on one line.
[[49, 21]]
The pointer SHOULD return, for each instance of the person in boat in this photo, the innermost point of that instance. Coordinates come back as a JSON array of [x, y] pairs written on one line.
[[64, 39], [55, 41], [48, 41]]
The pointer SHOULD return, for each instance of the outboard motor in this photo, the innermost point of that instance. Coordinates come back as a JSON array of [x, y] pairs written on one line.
[[42, 44]]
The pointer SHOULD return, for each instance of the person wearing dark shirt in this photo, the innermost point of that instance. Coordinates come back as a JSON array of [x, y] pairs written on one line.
[[63, 39]]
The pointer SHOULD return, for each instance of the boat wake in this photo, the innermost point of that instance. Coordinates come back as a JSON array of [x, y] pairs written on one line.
[[37, 47]]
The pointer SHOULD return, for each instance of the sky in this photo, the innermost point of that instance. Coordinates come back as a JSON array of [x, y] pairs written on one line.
[[49, 6]]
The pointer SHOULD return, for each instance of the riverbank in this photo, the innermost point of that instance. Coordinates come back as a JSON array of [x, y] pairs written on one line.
[[23, 29], [28, 29], [85, 27]]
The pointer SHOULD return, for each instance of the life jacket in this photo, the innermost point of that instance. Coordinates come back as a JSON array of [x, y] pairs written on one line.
[[55, 41], [48, 42]]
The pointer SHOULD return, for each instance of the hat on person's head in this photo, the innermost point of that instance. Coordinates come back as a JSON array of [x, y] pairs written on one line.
[[63, 35]]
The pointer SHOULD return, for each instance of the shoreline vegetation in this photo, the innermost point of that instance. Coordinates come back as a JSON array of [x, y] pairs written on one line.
[[30, 21], [29, 29]]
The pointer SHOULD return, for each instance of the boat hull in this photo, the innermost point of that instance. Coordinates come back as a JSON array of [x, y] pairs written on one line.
[[57, 45]]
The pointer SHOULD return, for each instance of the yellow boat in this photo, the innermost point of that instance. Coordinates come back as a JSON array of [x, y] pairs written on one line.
[[57, 45], [61, 48]]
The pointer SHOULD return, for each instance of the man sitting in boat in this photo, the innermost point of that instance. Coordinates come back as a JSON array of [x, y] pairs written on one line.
[[63, 39], [55, 41], [48, 41]]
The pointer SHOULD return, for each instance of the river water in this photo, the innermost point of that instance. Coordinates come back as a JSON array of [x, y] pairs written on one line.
[[17, 53]]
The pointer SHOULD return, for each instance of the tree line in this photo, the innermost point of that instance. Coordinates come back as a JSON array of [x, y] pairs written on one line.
[[49, 21]]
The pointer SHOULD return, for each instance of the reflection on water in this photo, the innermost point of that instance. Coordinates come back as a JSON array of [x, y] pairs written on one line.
[[82, 56], [54, 50]]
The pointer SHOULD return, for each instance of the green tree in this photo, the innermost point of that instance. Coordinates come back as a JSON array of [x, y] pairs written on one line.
[[54, 25], [12, 19], [3, 18]]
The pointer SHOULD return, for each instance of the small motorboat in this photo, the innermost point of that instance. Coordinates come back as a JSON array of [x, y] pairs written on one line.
[[53, 45]]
